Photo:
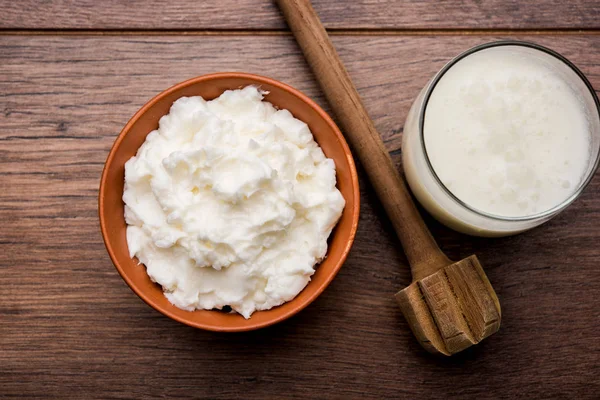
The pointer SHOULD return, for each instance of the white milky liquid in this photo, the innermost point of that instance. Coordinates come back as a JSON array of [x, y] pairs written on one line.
[[506, 134]]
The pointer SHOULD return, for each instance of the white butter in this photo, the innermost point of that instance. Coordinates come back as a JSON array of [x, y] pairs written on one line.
[[230, 203]]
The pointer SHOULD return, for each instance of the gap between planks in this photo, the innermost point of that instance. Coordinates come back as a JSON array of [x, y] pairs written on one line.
[[278, 32]]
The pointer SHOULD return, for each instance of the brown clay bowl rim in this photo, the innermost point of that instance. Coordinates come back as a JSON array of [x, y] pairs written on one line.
[[104, 185]]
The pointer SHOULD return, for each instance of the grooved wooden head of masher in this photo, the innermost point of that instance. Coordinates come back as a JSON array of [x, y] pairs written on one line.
[[451, 309]]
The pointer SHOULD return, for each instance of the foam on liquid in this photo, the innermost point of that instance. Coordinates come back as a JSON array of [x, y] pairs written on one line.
[[507, 135]]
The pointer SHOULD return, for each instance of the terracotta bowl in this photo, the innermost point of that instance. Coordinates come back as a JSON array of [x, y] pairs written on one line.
[[111, 207]]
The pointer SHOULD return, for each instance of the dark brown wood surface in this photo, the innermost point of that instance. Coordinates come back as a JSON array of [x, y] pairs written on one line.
[[71, 328], [335, 14]]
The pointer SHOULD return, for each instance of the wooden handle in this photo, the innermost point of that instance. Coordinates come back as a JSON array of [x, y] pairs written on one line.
[[422, 252]]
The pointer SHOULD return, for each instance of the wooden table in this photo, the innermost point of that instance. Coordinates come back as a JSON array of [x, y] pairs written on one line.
[[73, 72]]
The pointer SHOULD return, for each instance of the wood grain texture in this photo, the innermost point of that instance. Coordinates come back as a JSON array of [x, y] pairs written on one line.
[[263, 14], [70, 327], [451, 309]]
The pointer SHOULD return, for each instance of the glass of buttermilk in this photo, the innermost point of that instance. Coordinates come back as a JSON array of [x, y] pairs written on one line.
[[502, 139]]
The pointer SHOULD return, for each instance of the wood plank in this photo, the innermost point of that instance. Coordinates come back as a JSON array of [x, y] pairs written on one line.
[[263, 14], [70, 327]]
